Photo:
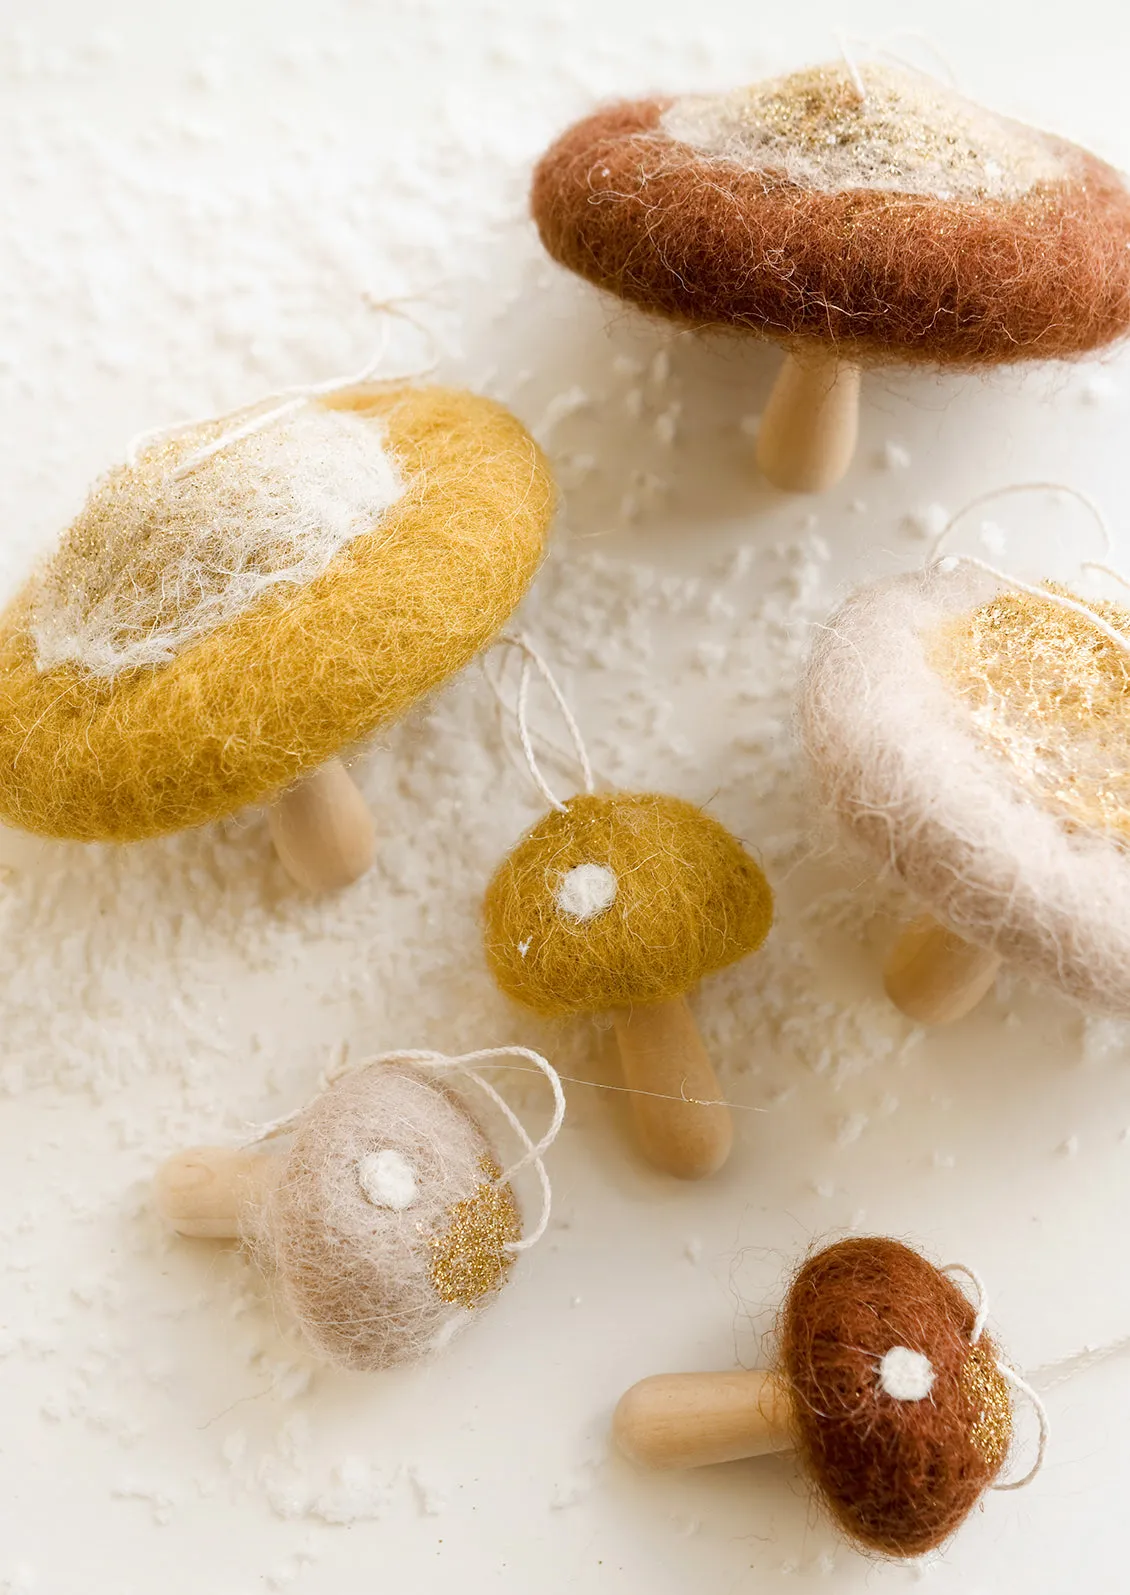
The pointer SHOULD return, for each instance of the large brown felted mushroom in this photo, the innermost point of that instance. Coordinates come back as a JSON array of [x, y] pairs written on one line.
[[887, 1388], [856, 216], [622, 902]]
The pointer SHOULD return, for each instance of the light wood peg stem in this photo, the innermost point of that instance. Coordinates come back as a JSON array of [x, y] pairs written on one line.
[[810, 426], [934, 976], [205, 1191], [691, 1420], [322, 830], [662, 1052]]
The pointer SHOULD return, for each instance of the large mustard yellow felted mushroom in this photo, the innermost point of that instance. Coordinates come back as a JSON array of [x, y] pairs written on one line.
[[621, 902], [240, 603]]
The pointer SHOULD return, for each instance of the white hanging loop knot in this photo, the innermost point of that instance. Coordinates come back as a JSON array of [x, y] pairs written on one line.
[[950, 562], [293, 397], [531, 661], [981, 1311], [534, 1151]]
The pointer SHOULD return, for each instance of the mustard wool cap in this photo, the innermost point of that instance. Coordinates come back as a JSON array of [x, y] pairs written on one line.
[[223, 617]]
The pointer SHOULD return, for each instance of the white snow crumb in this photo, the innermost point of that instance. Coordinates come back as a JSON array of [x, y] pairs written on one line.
[[894, 456], [1069, 1147], [750, 425], [431, 1497], [575, 1301], [1099, 389], [927, 521], [692, 1250], [993, 538], [824, 1188], [21, 1580], [563, 405], [851, 1128], [944, 1160]]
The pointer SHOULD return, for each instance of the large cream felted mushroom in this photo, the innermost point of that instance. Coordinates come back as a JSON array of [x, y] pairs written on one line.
[[622, 902], [858, 216], [888, 1389], [245, 602], [975, 738]]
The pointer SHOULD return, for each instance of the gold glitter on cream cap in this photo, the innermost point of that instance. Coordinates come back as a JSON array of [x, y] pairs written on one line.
[[973, 740], [380, 1212]]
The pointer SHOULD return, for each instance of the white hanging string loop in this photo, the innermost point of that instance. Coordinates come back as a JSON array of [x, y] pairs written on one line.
[[534, 1151], [293, 397], [1119, 638], [981, 1311], [848, 60], [532, 660], [1023, 487]]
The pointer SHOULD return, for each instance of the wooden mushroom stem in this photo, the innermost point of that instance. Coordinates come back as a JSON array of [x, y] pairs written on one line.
[[205, 1191], [683, 1127], [689, 1420], [934, 976], [322, 829], [809, 429]]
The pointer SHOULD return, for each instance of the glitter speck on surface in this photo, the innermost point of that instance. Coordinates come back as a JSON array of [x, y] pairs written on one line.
[[905, 134], [986, 1390], [469, 1258], [1050, 694]]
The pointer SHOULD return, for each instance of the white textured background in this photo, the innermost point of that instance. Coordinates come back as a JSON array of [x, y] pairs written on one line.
[[196, 201]]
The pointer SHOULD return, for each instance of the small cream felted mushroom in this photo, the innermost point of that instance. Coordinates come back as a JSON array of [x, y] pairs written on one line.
[[386, 1221], [857, 215], [251, 597], [887, 1387], [973, 736]]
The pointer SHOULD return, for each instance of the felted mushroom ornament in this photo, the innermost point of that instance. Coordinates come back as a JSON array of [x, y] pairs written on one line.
[[896, 1402], [620, 903], [972, 735], [249, 598], [858, 216], [384, 1220]]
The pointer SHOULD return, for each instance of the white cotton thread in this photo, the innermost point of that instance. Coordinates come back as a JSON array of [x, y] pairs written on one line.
[[1011, 488], [906, 1375], [533, 660], [586, 891], [1017, 1381], [388, 1179]]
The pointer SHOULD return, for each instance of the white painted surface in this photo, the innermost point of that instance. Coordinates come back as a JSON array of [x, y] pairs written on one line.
[[195, 200]]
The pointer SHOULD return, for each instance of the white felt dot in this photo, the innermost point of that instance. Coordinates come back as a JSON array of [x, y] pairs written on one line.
[[388, 1179], [586, 891], [906, 1375]]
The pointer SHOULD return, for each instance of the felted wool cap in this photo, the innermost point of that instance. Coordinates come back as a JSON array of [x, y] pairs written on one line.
[[621, 898], [388, 1226], [901, 224], [976, 741], [901, 1417], [220, 620]]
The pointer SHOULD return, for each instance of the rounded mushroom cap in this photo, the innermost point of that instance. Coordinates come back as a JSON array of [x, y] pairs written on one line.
[[202, 640], [974, 741], [911, 225], [623, 898], [387, 1226], [902, 1422]]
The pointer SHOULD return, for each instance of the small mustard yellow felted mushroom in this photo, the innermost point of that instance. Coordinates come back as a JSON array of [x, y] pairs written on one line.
[[621, 902], [244, 601]]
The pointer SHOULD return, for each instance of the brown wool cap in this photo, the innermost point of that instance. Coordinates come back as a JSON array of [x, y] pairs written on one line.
[[902, 1420], [906, 225]]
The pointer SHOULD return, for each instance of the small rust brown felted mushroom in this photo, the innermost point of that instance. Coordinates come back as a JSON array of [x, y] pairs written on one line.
[[886, 1387], [858, 217], [621, 902]]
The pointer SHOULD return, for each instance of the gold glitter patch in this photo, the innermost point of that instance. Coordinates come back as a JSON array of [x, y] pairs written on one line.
[[1049, 693], [905, 134], [469, 1256], [986, 1391]]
